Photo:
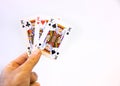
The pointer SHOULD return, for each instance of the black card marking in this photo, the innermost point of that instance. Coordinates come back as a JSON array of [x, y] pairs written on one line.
[[54, 25], [28, 24], [53, 51]]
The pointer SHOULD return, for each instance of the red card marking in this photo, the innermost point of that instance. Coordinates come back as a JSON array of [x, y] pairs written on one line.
[[42, 21]]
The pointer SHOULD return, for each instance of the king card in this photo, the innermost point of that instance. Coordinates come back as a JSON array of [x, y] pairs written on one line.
[[52, 38], [41, 23], [29, 28]]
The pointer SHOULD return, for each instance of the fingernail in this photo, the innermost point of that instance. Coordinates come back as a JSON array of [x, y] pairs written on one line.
[[37, 51]]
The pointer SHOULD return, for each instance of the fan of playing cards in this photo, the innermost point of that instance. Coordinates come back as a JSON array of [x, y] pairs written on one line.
[[46, 34]]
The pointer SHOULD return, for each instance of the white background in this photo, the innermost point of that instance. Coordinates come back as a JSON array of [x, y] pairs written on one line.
[[92, 55]]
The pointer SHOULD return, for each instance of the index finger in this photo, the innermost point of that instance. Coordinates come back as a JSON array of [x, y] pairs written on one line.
[[17, 62]]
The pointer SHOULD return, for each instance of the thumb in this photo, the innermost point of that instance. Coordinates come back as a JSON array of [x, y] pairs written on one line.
[[32, 60]]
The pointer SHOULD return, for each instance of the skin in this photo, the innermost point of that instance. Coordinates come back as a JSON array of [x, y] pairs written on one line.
[[19, 71]]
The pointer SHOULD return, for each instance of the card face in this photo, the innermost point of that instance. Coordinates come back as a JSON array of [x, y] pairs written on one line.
[[45, 33], [53, 37], [41, 23], [29, 28]]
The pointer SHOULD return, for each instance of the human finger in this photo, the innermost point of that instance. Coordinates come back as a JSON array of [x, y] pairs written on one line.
[[32, 60], [17, 62], [35, 84], [33, 77]]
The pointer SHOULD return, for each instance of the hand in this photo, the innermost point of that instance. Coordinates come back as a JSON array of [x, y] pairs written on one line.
[[19, 71]]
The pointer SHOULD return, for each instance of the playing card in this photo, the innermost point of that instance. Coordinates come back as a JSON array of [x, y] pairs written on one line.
[[52, 37], [45, 33], [41, 23], [29, 28]]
